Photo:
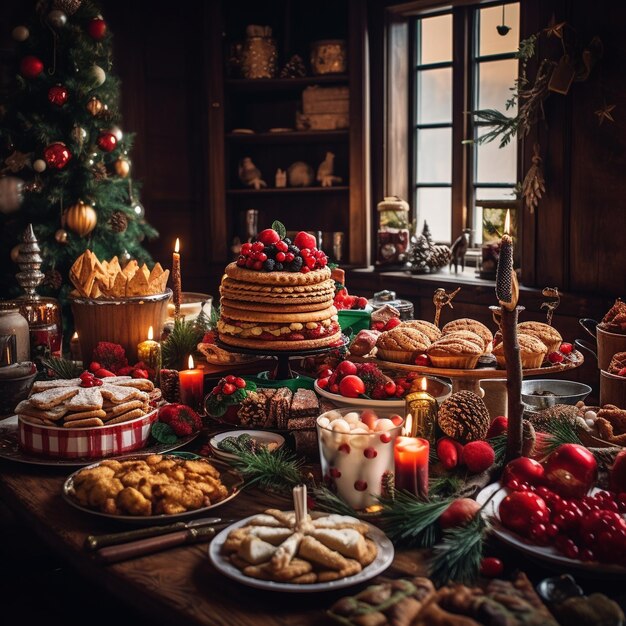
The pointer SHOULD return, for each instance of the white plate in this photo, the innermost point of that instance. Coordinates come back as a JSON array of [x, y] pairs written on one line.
[[382, 561], [544, 553], [229, 477], [383, 407], [260, 435], [10, 448]]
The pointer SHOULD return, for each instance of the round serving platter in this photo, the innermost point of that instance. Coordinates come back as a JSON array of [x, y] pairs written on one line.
[[10, 449]]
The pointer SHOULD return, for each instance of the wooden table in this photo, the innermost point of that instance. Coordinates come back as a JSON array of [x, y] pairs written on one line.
[[176, 586]]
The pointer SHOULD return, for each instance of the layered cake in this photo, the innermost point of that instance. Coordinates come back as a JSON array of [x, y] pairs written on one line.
[[278, 295]]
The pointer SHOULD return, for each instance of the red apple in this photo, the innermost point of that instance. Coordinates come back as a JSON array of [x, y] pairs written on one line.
[[346, 367], [617, 475], [571, 470], [351, 386], [459, 513], [305, 240], [498, 426], [518, 507], [523, 470]]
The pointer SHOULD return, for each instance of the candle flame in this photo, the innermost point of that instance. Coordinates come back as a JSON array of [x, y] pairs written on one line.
[[424, 384], [150, 333], [507, 222], [75, 335], [190, 363], [408, 425], [177, 246]]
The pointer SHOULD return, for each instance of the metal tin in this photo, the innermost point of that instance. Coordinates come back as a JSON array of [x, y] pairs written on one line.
[[405, 307], [329, 56]]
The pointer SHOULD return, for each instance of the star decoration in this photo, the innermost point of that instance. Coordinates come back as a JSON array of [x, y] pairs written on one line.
[[605, 113], [17, 161], [554, 30]]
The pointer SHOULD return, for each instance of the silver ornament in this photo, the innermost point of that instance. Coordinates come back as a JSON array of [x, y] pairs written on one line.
[[97, 75], [124, 258], [20, 33], [57, 18], [69, 6], [138, 209], [11, 194], [79, 134], [117, 132], [39, 165]]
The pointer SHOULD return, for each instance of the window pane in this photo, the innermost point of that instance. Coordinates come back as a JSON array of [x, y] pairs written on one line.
[[491, 193], [434, 155], [494, 164], [495, 81], [434, 96], [436, 39], [491, 42], [434, 205]]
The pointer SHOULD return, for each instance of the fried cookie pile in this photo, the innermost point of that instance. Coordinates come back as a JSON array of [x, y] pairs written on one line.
[[152, 485], [319, 548], [70, 404]]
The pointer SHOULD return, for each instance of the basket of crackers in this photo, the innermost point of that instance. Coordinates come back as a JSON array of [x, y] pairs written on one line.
[[111, 303], [66, 419]]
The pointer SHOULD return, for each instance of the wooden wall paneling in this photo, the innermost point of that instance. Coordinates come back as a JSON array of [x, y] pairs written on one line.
[[360, 205]]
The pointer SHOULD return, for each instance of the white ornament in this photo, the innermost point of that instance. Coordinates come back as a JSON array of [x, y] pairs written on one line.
[[20, 33], [116, 131], [97, 75], [39, 165], [139, 210], [11, 197], [57, 18]]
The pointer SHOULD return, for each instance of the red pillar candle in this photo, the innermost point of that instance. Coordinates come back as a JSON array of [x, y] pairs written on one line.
[[191, 386], [411, 465]]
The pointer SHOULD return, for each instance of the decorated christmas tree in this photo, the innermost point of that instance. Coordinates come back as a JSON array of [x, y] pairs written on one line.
[[64, 160]]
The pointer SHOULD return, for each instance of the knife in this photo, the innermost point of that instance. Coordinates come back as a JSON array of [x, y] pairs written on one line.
[[95, 542], [113, 554]]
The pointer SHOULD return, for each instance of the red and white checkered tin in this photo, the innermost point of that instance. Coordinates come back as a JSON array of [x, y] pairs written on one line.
[[91, 443]]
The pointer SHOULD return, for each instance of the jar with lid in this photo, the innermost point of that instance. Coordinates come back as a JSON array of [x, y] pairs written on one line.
[[393, 230], [405, 307]]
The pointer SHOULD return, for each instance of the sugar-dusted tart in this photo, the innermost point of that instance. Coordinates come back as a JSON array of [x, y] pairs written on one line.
[[465, 323], [532, 352], [548, 335], [402, 344]]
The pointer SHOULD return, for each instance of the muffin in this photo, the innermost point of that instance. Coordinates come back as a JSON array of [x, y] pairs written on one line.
[[532, 352], [459, 350], [401, 344], [430, 330], [465, 323], [548, 335]]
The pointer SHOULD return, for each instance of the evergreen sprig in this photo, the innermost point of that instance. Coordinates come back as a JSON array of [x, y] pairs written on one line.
[[330, 502], [445, 486], [558, 433], [498, 443], [181, 342], [457, 558], [278, 471], [63, 368], [410, 521]]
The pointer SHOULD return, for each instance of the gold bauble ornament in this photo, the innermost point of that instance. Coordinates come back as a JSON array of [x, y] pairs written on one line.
[[94, 106], [122, 167], [61, 236], [15, 251], [81, 218]]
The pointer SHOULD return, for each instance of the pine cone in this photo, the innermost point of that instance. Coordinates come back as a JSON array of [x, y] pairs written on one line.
[[53, 279], [118, 222], [464, 417], [440, 256], [170, 386], [388, 485]]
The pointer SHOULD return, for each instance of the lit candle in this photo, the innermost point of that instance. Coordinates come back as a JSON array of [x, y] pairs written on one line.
[[506, 280], [191, 386], [176, 279], [411, 464], [75, 354], [422, 408], [149, 352]]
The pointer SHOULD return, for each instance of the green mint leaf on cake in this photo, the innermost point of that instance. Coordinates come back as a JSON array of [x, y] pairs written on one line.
[[279, 227]]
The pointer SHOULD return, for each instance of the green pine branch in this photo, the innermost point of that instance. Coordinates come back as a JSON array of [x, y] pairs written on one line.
[[279, 471]]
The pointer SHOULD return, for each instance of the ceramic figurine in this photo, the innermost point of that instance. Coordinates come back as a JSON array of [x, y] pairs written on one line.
[[459, 249], [250, 175], [280, 178], [325, 171], [300, 174]]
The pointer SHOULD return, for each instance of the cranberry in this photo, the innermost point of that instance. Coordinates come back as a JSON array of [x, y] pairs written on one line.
[[566, 348], [538, 533], [282, 246], [390, 388], [370, 453], [539, 517], [551, 530], [240, 382], [360, 485], [344, 447], [491, 567], [334, 472], [229, 389], [280, 257], [229, 379], [587, 555], [555, 357], [385, 437]]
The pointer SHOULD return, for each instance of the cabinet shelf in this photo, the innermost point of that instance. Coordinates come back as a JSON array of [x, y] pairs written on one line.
[[287, 190], [283, 84], [303, 136]]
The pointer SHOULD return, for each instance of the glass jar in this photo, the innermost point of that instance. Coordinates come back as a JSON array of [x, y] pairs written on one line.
[[405, 307], [259, 57], [393, 230], [14, 337], [328, 57], [44, 322]]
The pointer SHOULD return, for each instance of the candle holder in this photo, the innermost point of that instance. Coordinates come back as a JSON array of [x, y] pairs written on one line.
[[421, 411]]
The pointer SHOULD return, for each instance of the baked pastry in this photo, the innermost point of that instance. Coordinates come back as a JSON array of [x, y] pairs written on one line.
[[457, 350], [532, 351], [402, 344], [465, 323], [548, 335], [615, 319], [428, 328], [618, 363]]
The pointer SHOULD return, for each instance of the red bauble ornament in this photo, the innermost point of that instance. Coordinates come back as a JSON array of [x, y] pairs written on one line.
[[107, 141], [58, 94], [57, 155], [97, 28], [31, 67], [571, 470]]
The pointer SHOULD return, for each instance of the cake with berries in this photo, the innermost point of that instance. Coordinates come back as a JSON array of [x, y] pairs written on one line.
[[278, 295]]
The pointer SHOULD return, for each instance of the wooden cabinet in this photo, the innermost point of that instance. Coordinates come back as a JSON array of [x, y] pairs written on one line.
[[264, 104]]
